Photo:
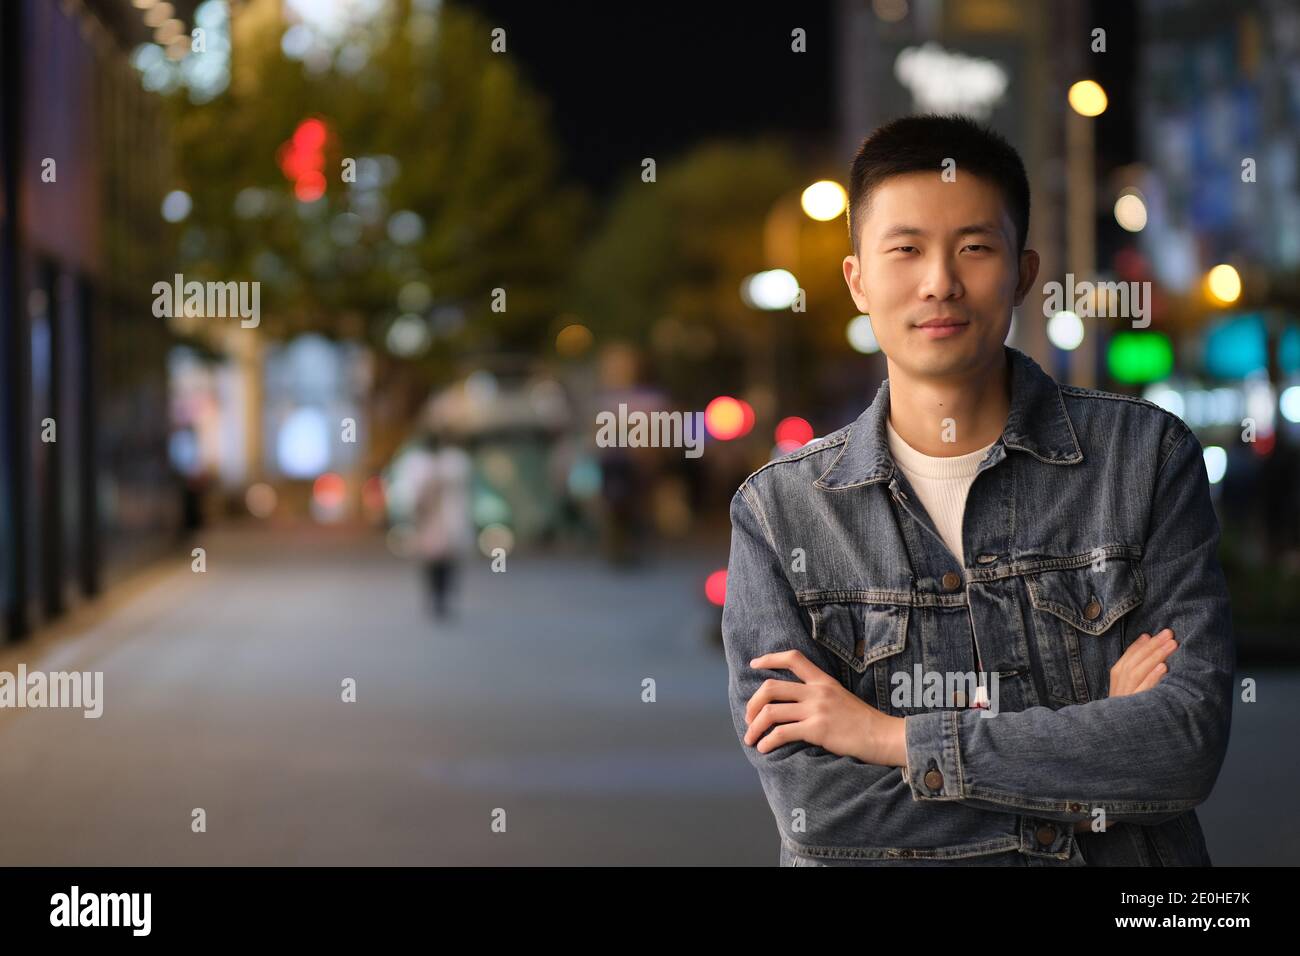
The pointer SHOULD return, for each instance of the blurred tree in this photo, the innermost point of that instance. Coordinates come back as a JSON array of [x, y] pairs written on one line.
[[440, 185], [664, 272]]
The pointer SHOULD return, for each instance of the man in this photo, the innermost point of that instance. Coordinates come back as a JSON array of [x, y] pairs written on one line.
[[443, 528], [980, 527]]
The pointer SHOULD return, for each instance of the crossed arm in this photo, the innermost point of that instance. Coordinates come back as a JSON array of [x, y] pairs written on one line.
[[1146, 753]]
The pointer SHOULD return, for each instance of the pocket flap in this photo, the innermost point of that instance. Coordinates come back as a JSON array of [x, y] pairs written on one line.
[[1088, 598], [858, 632]]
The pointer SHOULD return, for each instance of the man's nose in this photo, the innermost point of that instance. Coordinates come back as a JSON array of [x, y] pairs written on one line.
[[940, 280]]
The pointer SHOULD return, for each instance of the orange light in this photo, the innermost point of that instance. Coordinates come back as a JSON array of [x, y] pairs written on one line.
[[329, 490], [724, 417], [715, 587]]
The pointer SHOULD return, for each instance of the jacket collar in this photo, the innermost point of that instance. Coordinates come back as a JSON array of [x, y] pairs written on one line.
[[1037, 423]]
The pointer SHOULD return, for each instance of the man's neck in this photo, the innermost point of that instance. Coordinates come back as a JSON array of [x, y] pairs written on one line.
[[951, 416]]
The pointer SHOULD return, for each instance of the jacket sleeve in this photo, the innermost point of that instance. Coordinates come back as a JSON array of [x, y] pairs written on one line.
[[1145, 757], [817, 797]]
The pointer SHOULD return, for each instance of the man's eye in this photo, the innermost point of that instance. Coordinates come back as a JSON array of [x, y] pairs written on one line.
[[904, 248], [975, 245]]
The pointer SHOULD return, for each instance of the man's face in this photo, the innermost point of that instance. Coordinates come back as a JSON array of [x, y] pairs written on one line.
[[935, 250]]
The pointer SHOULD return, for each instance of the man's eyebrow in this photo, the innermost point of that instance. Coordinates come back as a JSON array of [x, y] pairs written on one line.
[[974, 228], [978, 228], [898, 232]]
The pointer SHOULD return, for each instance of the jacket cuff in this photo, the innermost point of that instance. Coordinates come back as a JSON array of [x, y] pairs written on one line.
[[934, 756]]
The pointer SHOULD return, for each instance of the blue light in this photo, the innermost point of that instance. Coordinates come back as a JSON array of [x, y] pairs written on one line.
[[1236, 347]]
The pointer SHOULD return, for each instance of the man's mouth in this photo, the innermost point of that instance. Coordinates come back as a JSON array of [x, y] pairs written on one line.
[[941, 321]]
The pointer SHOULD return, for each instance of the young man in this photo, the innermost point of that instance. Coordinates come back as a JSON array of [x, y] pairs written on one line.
[[939, 618]]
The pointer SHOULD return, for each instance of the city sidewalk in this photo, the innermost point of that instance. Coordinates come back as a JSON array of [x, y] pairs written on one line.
[[223, 691]]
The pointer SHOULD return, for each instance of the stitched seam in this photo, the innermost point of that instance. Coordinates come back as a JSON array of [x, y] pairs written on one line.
[[762, 520], [956, 744], [1178, 444], [823, 444], [1118, 806], [987, 847], [1079, 391], [848, 432]]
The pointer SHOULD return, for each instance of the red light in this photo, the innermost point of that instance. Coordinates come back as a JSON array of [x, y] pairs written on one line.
[[329, 490], [715, 587], [372, 493], [747, 422], [310, 135], [310, 187], [794, 430], [302, 159]]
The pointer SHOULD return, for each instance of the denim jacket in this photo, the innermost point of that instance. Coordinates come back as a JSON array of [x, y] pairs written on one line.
[[1088, 523]]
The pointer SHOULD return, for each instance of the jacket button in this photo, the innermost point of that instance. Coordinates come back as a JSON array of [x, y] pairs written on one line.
[[934, 780], [1045, 834], [1093, 609], [952, 579], [860, 648]]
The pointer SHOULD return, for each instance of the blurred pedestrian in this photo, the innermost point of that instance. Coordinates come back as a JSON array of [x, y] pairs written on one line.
[[443, 530]]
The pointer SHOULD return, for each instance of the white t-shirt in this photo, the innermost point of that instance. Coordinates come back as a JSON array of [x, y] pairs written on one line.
[[941, 484]]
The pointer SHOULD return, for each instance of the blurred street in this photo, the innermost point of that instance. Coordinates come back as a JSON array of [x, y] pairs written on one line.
[[222, 691]]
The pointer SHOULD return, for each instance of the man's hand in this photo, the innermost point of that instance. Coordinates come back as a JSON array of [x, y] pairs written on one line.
[[817, 709], [1142, 664], [1140, 668]]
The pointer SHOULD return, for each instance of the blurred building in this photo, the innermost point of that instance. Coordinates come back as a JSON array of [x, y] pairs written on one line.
[[83, 466]]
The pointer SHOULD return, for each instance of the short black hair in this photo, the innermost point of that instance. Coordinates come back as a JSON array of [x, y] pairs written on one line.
[[915, 144]]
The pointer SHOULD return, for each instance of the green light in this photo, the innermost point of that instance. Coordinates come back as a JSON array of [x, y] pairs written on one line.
[[1139, 357]]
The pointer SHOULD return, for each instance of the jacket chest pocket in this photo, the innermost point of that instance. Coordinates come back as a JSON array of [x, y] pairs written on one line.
[[870, 641], [1081, 622]]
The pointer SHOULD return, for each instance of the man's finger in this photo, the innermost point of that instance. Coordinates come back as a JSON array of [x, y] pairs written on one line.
[[773, 690], [793, 661], [770, 715], [781, 734], [1152, 679], [1150, 650]]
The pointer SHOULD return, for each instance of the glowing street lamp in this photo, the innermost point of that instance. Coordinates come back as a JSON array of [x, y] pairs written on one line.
[[824, 200], [1087, 98], [1223, 284]]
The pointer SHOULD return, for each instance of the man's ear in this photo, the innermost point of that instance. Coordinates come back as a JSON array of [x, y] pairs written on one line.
[[1028, 274], [853, 279]]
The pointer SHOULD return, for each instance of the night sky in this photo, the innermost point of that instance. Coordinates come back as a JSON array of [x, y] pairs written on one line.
[[627, 81]]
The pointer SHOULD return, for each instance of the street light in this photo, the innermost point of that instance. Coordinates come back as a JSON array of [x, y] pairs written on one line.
[[824, 200], [1224, 284], [1087, 98]]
